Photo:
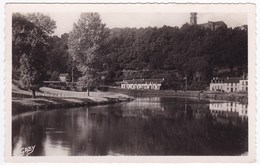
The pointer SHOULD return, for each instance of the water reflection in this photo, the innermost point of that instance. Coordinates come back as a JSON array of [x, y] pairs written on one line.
[[146, 126], [229, 109]]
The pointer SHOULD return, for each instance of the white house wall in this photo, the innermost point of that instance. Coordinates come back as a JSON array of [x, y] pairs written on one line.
[[141, 86], [230, 87]]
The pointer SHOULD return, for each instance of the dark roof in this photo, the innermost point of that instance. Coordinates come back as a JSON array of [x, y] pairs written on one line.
[[228, 80], [213, 25], [63, 75], [233, 80], [143, 81]]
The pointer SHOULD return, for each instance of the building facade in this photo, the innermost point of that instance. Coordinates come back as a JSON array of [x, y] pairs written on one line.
[[229, 84], [210, 24], [64, 77], [142, 84]]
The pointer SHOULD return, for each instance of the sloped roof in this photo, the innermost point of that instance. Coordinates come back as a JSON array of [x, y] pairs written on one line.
[[143, 81], [233, 80], [229, 79]]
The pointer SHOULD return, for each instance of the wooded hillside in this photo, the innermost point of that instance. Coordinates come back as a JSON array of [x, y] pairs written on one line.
[[173, 53]]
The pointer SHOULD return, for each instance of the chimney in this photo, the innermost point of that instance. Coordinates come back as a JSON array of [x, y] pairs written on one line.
[[244, 75]]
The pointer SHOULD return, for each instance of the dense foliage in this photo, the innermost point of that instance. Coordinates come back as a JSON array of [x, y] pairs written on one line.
[[174, 53], [91, 52], [30, 39], [85, 44]]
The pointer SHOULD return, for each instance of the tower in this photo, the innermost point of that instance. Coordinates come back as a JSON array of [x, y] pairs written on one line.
[[193, 18]]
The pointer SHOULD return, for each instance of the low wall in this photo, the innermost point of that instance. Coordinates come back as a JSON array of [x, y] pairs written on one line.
[[238, 97], [139, 93]]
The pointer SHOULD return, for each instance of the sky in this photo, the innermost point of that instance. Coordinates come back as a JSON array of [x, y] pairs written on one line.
[[64, 21]]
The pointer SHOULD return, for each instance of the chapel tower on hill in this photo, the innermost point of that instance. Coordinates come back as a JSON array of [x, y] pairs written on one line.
[[193, 18], [213, 25]]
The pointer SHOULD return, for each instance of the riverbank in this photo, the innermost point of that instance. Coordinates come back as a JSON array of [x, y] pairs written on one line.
[[48, 98], [209, 95], [21, 105]]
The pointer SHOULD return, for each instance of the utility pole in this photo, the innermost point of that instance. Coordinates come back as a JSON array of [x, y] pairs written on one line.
[[186, 81], [72, 75]]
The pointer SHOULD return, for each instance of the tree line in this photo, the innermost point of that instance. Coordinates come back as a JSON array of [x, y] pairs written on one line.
[[95, 55]]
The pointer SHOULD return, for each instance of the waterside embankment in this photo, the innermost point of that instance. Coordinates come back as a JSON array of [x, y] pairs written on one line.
[[222, 96], [46, 103], [48, 98]]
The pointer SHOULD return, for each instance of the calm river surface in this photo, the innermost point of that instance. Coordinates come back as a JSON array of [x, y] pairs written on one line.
[[146, 126]]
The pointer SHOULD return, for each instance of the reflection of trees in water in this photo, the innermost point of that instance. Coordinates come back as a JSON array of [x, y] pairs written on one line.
[[128, 136], [29, 133], [181, 128]]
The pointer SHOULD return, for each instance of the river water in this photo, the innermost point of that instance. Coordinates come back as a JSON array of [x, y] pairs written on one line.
[[146, 126]]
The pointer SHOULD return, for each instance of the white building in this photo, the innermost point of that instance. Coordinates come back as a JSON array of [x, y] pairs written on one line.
[[64, 77], [232, 84], [142, 84]]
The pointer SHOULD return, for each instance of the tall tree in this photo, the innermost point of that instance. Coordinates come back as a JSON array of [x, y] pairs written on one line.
[[43, 22], [21, 38], [85, 46], [30, 33]]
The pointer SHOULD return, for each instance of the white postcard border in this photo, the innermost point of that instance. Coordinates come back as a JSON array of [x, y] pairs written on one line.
[[248, 8]]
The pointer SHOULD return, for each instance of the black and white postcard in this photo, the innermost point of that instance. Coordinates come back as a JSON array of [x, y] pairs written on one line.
[[130, 83]]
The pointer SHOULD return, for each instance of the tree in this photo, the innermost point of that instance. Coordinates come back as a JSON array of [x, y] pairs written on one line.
[[30, 77], [21, 38], [30, 33], [43, 22], [85, 46], [58, 58]]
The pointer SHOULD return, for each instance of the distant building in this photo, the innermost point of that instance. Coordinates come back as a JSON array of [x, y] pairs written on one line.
[[229, 84], [210, 24], [64, 77], [142, 84], [213, 25]]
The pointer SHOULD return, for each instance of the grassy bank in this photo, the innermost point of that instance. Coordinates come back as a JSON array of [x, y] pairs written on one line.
[[237, 97], [46, 103], [48, 98]]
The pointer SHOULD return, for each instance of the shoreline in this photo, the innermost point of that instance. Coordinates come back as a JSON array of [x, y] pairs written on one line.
[[21, 105], [208, 95]]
